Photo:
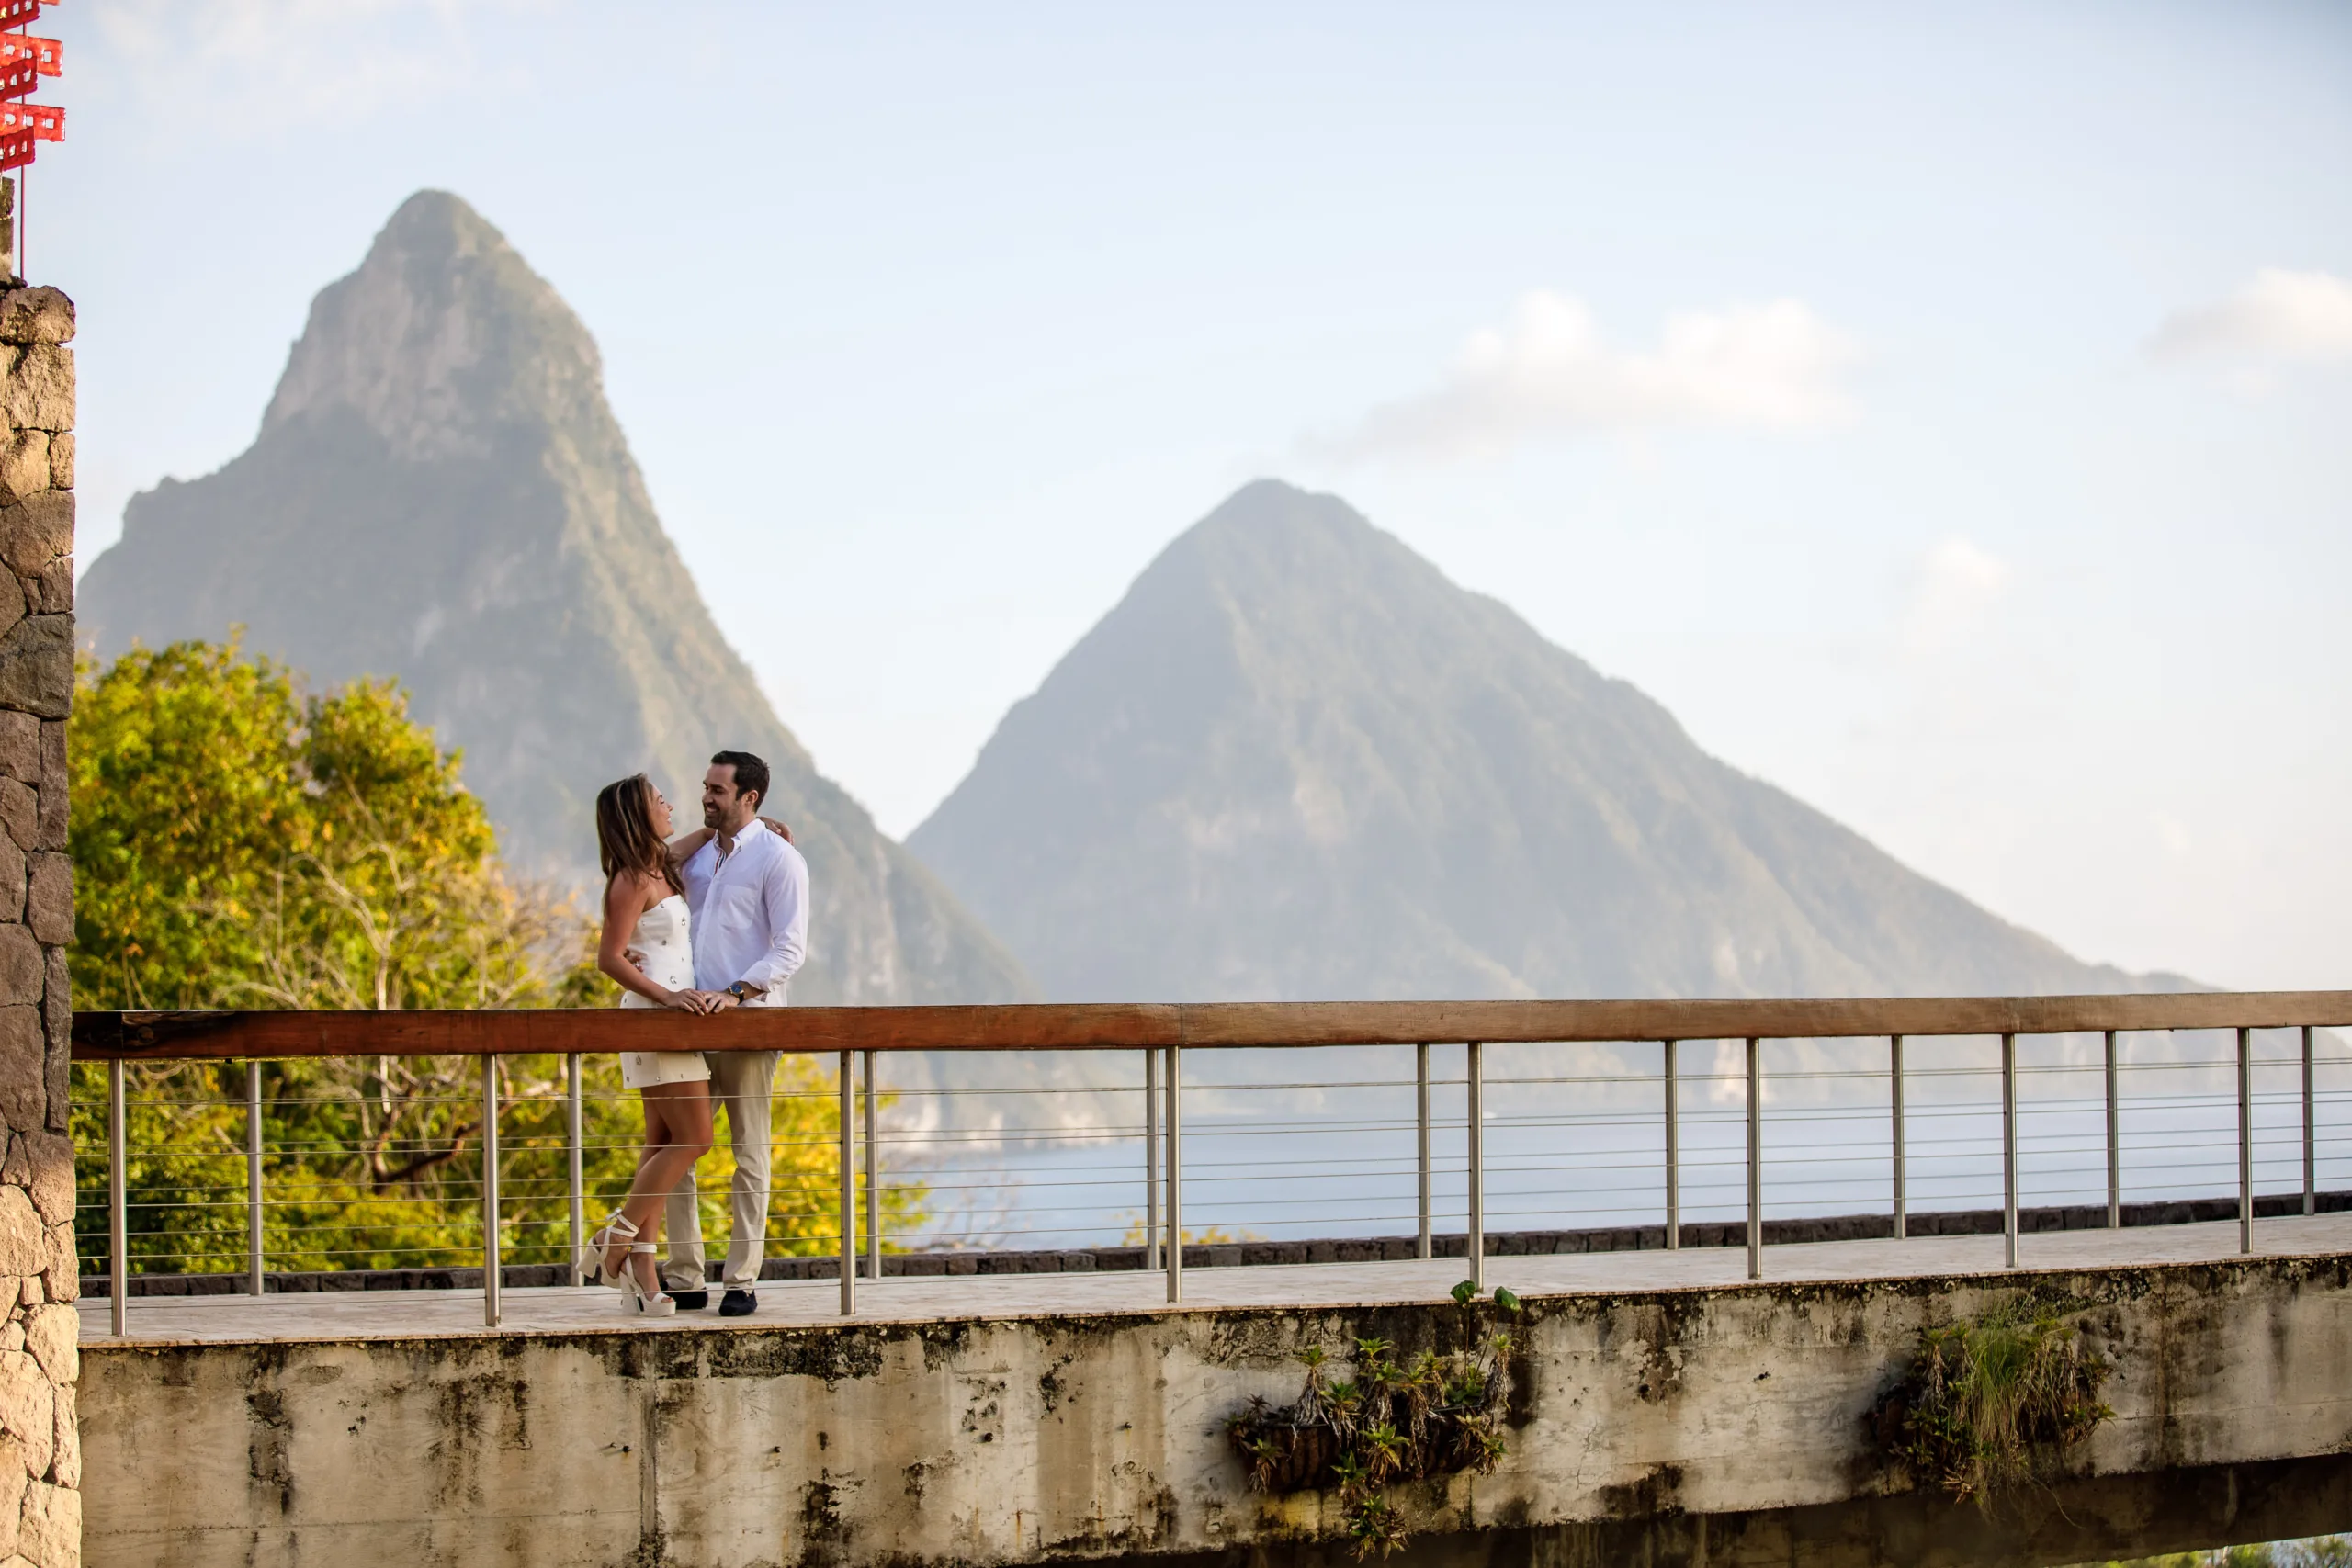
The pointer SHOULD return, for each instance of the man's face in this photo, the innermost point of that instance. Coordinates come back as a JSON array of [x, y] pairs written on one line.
[[724, 807]]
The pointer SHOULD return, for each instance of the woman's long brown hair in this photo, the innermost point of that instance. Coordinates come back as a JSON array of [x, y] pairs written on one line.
[[625, 836]]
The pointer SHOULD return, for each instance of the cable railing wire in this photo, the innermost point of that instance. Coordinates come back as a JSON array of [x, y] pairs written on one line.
[[1273, 1151]]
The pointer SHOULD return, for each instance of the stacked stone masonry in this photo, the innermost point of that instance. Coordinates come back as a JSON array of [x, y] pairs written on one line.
[[40, 1451]]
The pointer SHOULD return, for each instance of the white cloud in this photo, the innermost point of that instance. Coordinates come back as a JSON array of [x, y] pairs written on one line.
[[1957, 585], [2279, 315], [1548, 374]]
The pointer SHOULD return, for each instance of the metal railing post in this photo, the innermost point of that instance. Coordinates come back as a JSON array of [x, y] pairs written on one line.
[[1422, 1120], [1477, 1236], [849, 1184], [1673, 1152], [1175, 1175], [1151, 1158], [2245, 1139], [2009, 1149], [1755, 1159], [2311, 1133], [873, 1179], [117, 1203], [575, 1160], [1902, 1205], [490, 1268], [2114, 1143], [255, 1261]]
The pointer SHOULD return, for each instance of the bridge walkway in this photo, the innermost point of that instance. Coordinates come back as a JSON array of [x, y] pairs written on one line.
[[456, 1313]]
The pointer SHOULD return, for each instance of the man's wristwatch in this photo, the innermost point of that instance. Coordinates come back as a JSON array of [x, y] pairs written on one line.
[[743, 992]]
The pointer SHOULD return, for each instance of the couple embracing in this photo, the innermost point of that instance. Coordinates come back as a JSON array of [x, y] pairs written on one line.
[[713, 919]]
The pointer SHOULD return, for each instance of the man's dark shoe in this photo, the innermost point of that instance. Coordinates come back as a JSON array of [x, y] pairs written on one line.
[[738, 1302], [691, 1300]]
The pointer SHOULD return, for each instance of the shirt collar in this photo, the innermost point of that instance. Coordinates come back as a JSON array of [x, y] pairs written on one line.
[[722, 853]]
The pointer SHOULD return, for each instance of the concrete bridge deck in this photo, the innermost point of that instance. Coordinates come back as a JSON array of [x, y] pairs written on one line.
[[393, 1315], [1664, 1409]]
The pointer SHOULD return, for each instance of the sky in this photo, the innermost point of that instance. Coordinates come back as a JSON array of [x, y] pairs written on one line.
[[1945, 410]]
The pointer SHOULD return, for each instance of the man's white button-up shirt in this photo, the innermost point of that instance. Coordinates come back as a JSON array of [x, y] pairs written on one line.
[[751, 913]]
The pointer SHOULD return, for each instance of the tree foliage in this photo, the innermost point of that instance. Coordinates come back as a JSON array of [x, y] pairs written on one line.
[[240, 843], [2317, 1551]]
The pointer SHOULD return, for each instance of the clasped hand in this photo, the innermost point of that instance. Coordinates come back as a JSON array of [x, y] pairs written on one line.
[[701, 1001], [688, 1001]]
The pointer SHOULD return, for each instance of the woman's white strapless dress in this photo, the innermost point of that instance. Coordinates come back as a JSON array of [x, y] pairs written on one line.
[[661, 935]]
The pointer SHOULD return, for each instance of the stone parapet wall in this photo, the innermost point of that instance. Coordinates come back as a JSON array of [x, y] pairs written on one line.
[[41, 1448]]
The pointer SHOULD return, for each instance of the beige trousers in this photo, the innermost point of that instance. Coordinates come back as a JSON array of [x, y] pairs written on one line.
[[742, 1084]]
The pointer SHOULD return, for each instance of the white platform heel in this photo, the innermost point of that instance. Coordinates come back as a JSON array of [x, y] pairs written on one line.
[[639, 1301], [590, 1264]]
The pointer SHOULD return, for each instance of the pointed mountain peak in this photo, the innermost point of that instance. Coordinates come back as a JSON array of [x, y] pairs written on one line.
[[1275, 514], [443, 334], [1271, 535], [1283, 581], [438, 221], [1271, 502]]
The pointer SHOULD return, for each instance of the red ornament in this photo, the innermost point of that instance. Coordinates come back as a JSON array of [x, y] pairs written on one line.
[[42, 56], [24, 61]]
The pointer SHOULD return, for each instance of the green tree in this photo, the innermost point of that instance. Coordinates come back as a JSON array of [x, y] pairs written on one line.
[[2317, 1551], [240, 844], [185, 792]]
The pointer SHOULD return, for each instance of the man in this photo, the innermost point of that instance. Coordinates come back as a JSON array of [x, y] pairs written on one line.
[[747, 890]]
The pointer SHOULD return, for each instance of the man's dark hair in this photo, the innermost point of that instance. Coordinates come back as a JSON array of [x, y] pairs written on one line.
[[750, 773]]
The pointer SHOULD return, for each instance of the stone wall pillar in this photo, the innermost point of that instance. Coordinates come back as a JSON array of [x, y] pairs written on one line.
[[41, 1448]]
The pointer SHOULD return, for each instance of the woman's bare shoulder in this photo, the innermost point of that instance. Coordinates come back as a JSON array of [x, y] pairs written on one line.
[[629, 894]]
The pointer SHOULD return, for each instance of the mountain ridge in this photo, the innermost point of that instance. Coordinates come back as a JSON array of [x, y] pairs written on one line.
[[1295, 762]]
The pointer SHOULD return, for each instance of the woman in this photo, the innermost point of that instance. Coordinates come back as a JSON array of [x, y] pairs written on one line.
[[644, 916]]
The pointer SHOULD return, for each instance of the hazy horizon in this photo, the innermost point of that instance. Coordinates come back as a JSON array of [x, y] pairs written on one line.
[[1944, 421]]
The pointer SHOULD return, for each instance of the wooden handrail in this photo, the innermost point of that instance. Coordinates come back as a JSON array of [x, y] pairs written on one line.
[[168, 1036]]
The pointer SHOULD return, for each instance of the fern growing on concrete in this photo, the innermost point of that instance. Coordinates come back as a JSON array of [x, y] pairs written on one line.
[[1389, 1420], [1992, 1405]]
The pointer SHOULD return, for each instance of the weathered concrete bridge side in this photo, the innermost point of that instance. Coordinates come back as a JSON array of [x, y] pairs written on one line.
[[40, 1454], [1718, 1424]]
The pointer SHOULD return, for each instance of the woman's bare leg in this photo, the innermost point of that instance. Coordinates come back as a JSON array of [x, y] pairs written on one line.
[[677, 1134]]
